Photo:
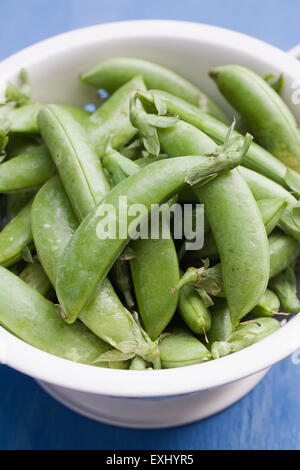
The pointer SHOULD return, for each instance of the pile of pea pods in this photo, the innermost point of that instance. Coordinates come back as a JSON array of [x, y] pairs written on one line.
[[148, 303]]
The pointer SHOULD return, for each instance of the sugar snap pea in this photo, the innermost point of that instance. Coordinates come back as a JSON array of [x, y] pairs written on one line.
[[122, 280], [267, 306], [37, 321], [244, 336], [15, 235], [193, 311], [112, 118], [104, 314], [114, 72], [76, 161], [138, 363], [283, 251], [229, 206], [181, 348], [155, 301], [221, 326], [26, 171], [265, 113], [285, 286], [151, 185], [257, 158], [35, 276]]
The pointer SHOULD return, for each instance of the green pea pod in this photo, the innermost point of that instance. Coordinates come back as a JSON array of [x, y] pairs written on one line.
[[15, 235], [257, 158], [193, 311], [138, 363], [77, 163], [27, 171], [181, 348], [244, 336], [104, 314], [91, 237], [285, 286], [271, 211], [37, 321], [112, 118], [267, 116], [113, 73], [241, 239], [221, 326], [122, 280], [268, 305], [283, 251], [156, 303], [24, 120], [35, 276]]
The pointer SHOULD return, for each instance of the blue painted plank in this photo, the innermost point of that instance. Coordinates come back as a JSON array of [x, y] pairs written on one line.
[[269, 417]]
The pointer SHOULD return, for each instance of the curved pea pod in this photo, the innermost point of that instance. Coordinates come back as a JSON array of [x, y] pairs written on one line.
[[153, 259], [35, 276], [267, 306], [76, 161], [26, 171], [112, 118], [241, 239], [37, 321], [221, 326], [151, 185], [114, 72], [263, 188], [285, 286], [244, 336], [104, 314], [181, 348], [257, 158], [283, 251], [15, 236], [193, 311], [154, 270], [265, 113]]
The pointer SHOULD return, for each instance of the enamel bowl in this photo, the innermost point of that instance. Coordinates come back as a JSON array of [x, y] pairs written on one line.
[[164, 398]]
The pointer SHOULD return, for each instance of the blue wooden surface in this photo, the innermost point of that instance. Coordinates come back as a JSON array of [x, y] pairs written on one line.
[[269, 417]]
